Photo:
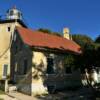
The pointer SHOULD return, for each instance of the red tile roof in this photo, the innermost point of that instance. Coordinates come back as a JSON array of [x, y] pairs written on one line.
[[40, 39]]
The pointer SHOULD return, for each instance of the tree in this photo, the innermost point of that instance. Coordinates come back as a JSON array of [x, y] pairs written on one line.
[[69, 61], [88, 48], [97, 40], [49, 32], [83, 40], [97, 54], [87, 58], [44, 30]]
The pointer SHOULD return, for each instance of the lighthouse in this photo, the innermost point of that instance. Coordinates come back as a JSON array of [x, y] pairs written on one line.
[[14, 13], [7, 26]]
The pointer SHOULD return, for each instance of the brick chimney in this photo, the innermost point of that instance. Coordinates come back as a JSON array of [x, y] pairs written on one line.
[[66, 33]]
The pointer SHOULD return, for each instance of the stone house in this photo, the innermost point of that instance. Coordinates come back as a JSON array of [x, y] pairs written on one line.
[[37, 60], [32, 59]]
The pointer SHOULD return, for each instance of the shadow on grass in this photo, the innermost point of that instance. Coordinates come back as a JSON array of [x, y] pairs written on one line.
[[2, 92]]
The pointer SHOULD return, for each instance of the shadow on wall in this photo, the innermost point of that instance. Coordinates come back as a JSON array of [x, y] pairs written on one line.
[[21, 68]]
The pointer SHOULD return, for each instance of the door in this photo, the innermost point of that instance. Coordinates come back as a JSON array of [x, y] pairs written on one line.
[[5, 68], [50, 66]]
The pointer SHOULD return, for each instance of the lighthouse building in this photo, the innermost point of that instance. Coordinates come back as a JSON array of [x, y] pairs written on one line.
[[7, 27], [31, 59]]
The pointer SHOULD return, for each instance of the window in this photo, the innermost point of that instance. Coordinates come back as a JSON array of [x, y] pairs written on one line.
[[5, 67], [20, 45], [19, 15], [14, 38], [8, 29], [25, 66], [11, 13], [16, 67], [50, 66], [16, 48], [68, 70]]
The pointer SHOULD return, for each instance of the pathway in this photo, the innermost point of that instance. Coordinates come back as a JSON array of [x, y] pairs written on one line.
[[21, 96], [6, 97]]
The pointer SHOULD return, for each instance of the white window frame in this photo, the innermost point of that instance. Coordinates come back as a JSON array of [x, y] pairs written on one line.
[[4, 77]]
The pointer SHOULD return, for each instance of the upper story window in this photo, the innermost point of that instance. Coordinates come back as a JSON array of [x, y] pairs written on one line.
[[11, 13]]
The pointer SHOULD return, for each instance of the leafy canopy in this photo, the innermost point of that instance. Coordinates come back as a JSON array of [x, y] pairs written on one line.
[[49, 32]]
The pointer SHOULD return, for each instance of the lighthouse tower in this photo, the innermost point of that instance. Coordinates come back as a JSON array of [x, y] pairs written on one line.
[[14, 13], [7, 27]]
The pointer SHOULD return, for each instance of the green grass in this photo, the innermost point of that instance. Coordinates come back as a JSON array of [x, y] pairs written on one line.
[[2, 92]]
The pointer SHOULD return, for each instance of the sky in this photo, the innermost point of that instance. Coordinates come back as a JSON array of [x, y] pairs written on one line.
[[80, 16]]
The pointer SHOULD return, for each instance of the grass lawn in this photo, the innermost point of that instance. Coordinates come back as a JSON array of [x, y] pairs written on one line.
[[1, 92]]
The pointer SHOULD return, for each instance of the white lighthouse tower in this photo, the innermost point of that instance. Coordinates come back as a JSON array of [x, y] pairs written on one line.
[[14, 13], [7, 27]]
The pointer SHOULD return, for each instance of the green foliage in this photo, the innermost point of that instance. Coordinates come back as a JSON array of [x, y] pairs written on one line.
[[84, 41], [87, 45], [55, 33], [69, 60], [91, 54], [1, 92], [97, 40], [97, 55], [49, 32], [90, 49], [1, 99], [44, 30]]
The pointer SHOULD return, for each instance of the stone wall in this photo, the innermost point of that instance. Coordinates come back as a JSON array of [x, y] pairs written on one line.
[[36, 80], [5, 43], [21, 78]]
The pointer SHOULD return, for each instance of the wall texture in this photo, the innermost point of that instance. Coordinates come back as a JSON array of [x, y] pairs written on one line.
[[5, 43]]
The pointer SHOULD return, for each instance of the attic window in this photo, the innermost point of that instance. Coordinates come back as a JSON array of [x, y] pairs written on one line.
[[9, 29], [11, 13]]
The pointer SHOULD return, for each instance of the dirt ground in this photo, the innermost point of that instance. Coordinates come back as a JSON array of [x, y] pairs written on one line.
[[79, 94]]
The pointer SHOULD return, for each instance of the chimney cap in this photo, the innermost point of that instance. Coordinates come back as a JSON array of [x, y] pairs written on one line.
[[66, 30]]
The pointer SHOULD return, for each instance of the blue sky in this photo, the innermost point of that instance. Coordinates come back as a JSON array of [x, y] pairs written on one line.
[[81, 16]]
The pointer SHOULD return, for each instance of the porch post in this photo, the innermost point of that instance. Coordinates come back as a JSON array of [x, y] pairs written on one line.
[[6, 85]]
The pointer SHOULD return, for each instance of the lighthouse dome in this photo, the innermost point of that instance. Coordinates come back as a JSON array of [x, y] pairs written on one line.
[[14, 13]]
